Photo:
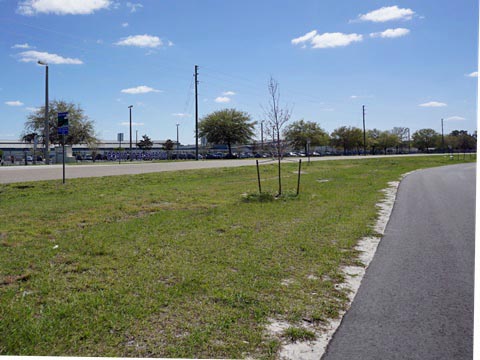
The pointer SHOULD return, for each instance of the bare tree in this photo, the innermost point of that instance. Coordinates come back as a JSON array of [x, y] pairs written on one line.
[[277, 117]]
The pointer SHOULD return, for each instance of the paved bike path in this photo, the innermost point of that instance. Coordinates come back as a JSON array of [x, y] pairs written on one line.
[[416, 299]]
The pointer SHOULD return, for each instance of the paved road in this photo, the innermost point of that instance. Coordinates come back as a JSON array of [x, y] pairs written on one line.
[[11, 174], [416, 299]]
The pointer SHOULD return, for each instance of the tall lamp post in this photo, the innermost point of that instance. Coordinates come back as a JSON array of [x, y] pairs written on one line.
[[261, 132], [46, 130], [177, 137], [443, 140], [130, 108]]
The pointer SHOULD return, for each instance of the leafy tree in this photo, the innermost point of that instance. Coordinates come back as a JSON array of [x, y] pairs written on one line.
[[424, 139], [461, 140], [299, 132], [373, 139], [80, 128], [227, 127], [347, 137], [29, 138], [388, 139], [145, 143]]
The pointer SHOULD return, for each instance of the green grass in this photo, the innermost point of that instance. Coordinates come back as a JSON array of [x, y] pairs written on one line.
[[299, 334], [181, 264]]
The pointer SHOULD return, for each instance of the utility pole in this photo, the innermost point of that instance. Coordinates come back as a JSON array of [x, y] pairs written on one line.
[[443, 140], [196, 112], [364, 135], [408, 140], [130, 108]]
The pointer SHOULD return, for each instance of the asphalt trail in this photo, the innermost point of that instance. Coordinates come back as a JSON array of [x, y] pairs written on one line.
[[416, 299]]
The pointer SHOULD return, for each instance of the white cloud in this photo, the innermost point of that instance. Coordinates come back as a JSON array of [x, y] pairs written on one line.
[[61, 7], [391, 33], [125, 24], [142, 89], [127, 123], [387, 13], [472, 74], [229, 93], [181, 115], [170, 43], [141, 41], [361, 96], [14, 103], [302, 39], [133, 7], [330, 40], [31, 109], [222, 99], [34, 56], [433, 104], [327, 40], [455, 118], [22, 46]]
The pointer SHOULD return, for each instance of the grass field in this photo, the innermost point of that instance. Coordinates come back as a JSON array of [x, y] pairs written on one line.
[[182, 264]]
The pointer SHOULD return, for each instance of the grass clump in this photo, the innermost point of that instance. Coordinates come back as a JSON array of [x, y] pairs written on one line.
[[259, 197], [295, 334], [174, 265]]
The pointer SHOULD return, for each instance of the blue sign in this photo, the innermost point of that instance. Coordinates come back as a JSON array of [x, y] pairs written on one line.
[[63, 130], [62, 123]]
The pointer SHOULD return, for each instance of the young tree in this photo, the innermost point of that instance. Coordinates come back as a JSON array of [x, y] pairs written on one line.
[[424, 139], [145, 143], [277, 117], [300, 132], [227, 127], [80, 128], [347, 137]]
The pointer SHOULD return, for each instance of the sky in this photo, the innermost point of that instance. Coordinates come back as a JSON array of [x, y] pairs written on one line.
[[411, 63]]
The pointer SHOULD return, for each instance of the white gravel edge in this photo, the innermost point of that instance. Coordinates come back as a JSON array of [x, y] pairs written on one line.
[[314, 350]]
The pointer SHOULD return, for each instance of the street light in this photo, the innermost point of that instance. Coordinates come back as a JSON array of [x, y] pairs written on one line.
[[130, 108], [177, 137], [46, 130], [261, 131], [443, 140]]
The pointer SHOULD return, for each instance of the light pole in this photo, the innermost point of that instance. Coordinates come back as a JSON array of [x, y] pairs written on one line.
[[177, 137], [261, 132], [46, 130], [364, 134], [443, 140], [130, 108]]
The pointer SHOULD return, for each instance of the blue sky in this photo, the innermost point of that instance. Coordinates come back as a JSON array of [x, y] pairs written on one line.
[[410, 63]]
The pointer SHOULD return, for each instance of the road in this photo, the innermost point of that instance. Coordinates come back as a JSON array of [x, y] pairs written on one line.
[[11, 174], [416, 299]]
